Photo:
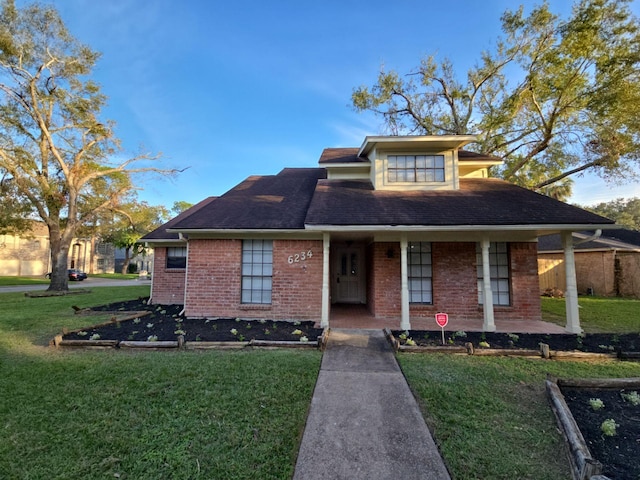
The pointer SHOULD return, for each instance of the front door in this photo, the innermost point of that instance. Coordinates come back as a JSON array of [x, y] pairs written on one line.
[[349, 278]]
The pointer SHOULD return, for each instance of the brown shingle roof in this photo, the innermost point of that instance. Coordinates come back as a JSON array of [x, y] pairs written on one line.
[[303, 196], [161, 233], [260, 202], [478, 202], [340, 155]]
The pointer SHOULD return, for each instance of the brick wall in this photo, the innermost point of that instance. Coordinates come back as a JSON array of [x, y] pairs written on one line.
[[168, 284], [383, 292], [214, 281], [455, 289]]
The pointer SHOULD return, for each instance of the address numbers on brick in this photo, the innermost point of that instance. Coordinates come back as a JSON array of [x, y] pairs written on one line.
[[299, 257]]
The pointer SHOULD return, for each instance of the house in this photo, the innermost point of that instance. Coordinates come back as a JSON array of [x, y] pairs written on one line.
[[29, 254], [607, 263], [405, 225]]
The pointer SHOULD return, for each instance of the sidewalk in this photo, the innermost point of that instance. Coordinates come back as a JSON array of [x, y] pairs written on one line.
[[364, 422]]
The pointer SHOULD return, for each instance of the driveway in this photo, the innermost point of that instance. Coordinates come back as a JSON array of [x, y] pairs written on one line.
[[88, 283]]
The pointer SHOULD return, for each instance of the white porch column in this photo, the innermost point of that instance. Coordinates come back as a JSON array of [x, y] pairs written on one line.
[[489, 324], [405, 322], [324, 318], [571, 293]]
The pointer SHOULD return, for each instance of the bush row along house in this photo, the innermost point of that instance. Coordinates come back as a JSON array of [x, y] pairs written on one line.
[[607, 263], [406, 226], [29, 254]]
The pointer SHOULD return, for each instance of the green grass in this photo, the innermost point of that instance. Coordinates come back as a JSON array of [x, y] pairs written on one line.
[[105, 414], [8, 281], [116, 276], [597, 314], [490, 416]]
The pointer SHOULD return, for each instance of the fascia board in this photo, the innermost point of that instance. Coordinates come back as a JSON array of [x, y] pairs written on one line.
[[246, 233], [451, 141], [458, 228], [165, 243]]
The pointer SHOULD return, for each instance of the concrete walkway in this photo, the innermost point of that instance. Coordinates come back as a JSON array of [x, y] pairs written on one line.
[[364, 422]]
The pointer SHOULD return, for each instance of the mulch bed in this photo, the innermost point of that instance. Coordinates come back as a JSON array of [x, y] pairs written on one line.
[[164, 323], [619, 454], [592, 342]]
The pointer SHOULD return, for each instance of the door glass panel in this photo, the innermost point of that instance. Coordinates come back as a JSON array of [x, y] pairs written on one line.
[[354, 264], [343, 264]]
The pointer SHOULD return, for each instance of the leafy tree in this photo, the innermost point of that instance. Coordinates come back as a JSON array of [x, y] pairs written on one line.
[[14, 214], [54, 147], [180, 206], [555, 98], [625, 212], [131, 222]]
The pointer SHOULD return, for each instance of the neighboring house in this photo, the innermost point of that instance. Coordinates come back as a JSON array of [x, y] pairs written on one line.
[[139, 263], [29, 254], [407, 226], [606, 265]]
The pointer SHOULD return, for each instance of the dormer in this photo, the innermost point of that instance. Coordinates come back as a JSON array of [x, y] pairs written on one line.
[[414, 163], [427, 162]]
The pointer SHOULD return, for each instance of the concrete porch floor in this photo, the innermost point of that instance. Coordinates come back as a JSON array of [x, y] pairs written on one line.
[[358, 317]]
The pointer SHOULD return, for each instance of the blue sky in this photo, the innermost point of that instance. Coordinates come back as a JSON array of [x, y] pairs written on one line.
[[238, 87]]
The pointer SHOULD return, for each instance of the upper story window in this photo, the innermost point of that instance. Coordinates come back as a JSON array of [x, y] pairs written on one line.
[[176, 257], [415, 168]]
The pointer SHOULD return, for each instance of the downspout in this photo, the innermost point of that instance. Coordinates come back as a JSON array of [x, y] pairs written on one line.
[[595, 236], [146, 244], [186, 273]]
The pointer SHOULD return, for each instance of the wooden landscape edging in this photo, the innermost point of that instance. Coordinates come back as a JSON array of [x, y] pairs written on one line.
[[544, 351], [58, 341], [583, 465]]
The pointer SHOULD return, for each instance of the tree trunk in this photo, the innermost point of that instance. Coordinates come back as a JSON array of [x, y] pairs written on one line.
[[59, 259], [127, 259]]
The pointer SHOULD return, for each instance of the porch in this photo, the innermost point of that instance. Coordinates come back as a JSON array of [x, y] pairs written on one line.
[[354, 316]]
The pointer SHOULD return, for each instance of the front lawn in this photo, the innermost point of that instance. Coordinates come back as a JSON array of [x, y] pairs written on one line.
[[10, 281], [117, 414], [597, 314], [490, 416]]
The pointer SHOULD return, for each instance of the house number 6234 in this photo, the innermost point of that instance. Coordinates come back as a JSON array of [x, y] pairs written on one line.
[[299, 257]]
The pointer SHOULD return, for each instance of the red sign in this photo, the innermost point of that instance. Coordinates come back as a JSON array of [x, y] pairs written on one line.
[[442, 319]]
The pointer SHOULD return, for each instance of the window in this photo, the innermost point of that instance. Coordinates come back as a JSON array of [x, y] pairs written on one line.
[[104, 248], [415, 168], [176, 257], [257, 270], [499, 267], [419, 266]]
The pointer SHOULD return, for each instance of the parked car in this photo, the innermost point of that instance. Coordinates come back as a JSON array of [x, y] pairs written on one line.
[[74, 275]]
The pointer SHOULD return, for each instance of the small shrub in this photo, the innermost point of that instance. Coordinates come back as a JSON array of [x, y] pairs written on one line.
[[596, 403], [608, 427], [632, 397]]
